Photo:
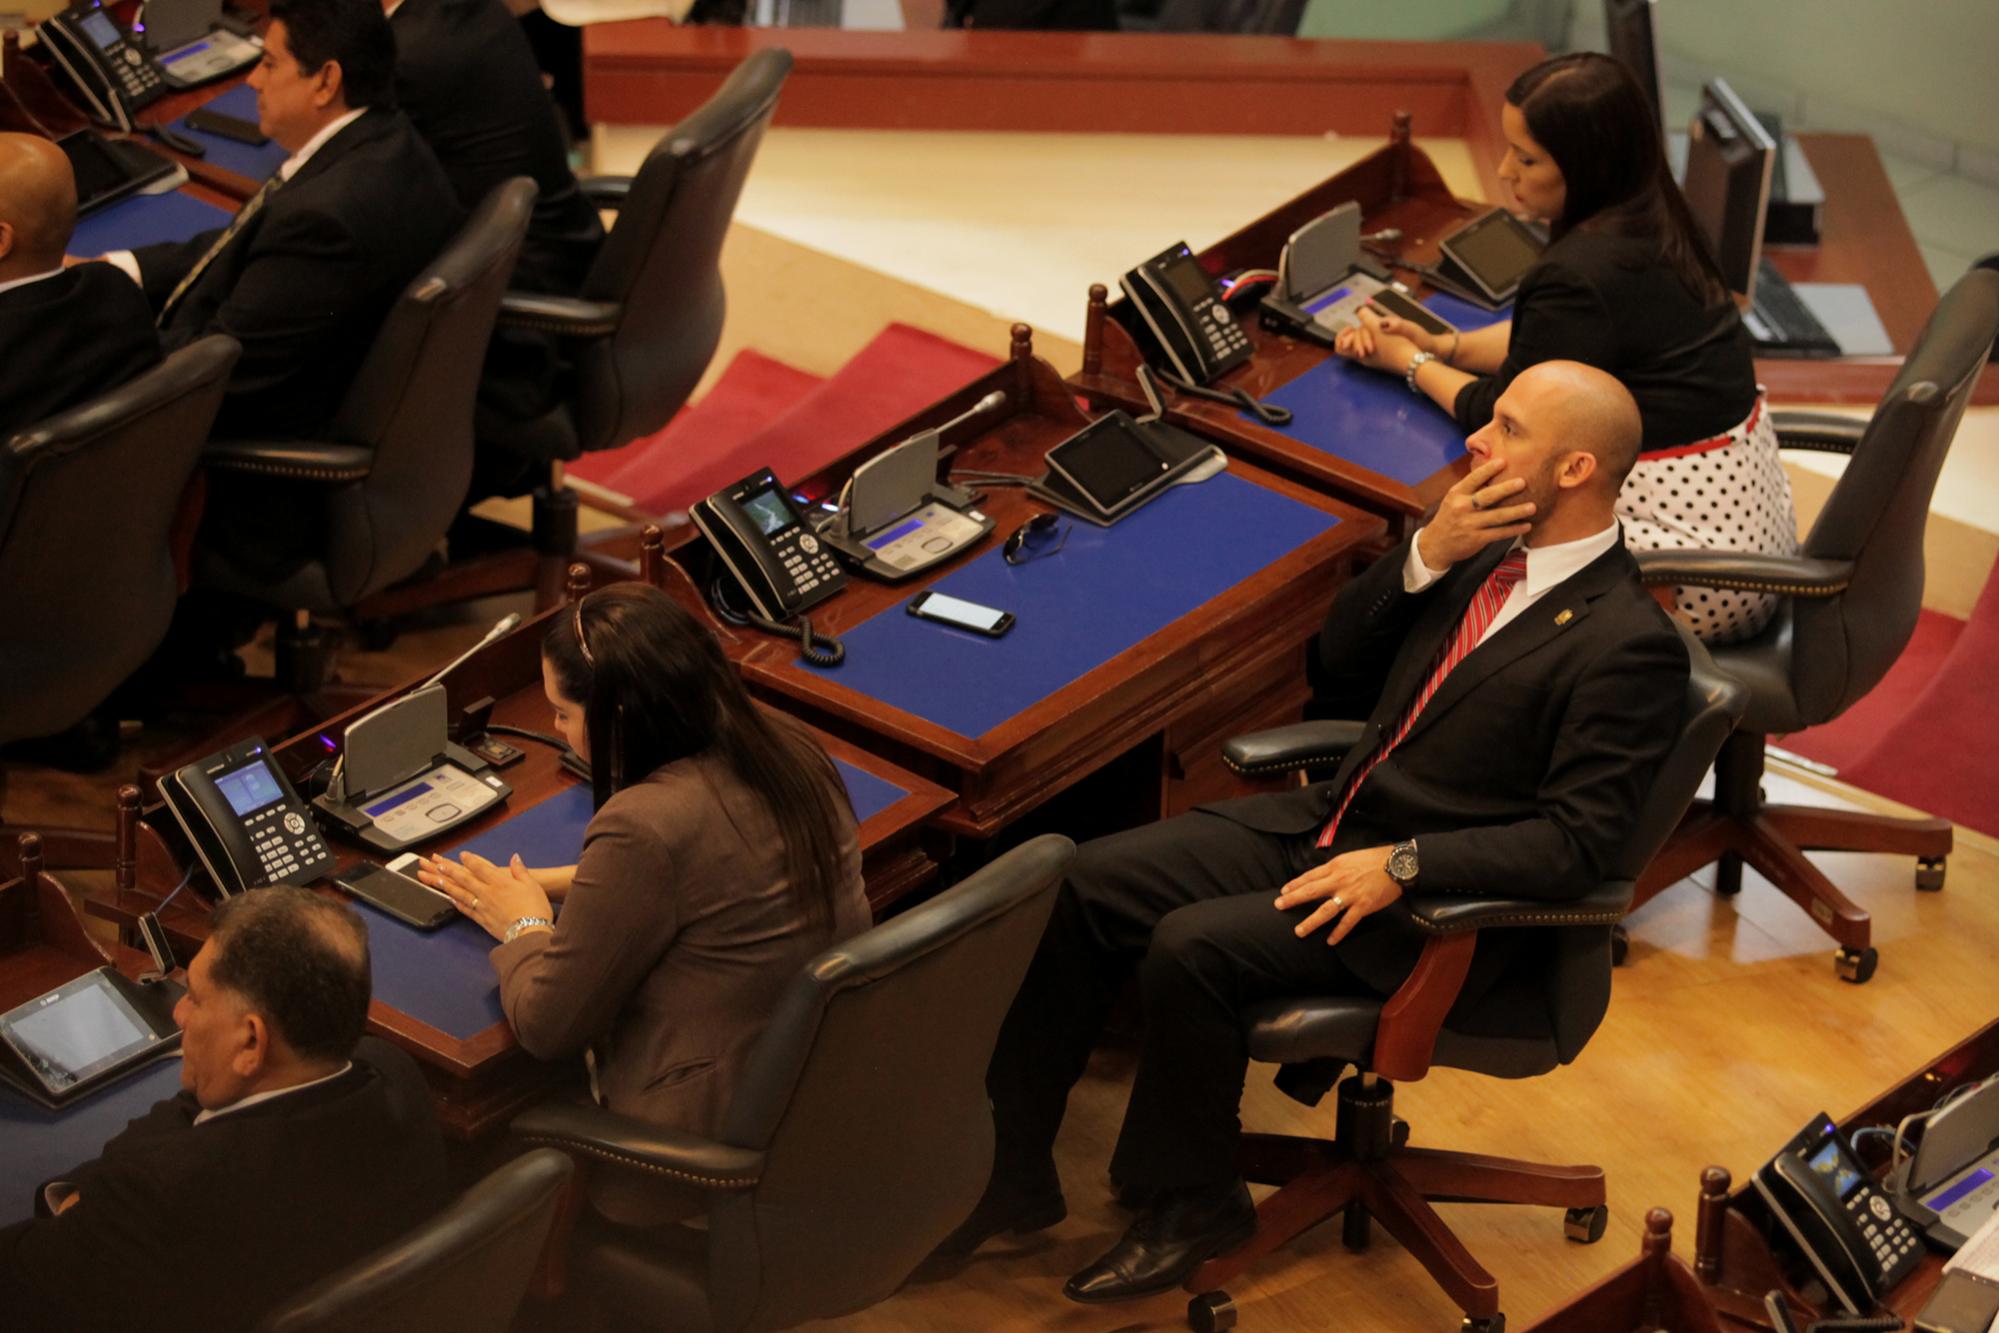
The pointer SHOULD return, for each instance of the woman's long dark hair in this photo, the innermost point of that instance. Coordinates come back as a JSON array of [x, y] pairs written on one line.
[[655, 687], [1593, 119]]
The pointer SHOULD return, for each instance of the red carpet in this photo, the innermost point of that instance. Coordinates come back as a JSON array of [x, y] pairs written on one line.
[[764, 413], [1928, 735]]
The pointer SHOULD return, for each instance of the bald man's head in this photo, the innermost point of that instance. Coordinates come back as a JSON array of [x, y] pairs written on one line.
[[37, 204], [1591, 411]]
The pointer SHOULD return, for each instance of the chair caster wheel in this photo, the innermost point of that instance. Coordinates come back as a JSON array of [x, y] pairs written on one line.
[[1855, 967], [1495, 1324], [1620, 945], [1585, 1226], [1929, 874], [1211, 1312], [1398, 1133]]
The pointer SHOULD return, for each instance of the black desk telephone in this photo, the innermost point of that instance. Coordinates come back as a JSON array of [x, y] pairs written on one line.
[[110, 69], [247, 825], [773, 555], [1183, 309], [1845, 1229]]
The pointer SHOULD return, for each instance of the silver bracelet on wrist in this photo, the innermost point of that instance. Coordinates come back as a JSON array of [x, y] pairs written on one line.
[[1416, 363], [524, 923]]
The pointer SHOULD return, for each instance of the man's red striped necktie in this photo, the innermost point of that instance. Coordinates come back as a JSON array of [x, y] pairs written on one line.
[[1478, 616]]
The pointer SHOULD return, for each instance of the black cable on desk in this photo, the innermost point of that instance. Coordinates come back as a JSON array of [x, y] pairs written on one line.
[[501, 729], [819, 650]]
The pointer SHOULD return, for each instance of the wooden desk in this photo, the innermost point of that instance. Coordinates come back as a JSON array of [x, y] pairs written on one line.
[[480, 1080], [1732, 1257], [1233, 663], [1397, 186]]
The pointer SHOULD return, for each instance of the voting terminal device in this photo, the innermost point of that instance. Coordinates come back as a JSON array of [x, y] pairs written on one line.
[[898, 518], [64, 1045], [194, 43], [401, 781], [1949, 1186], [1324, 281]]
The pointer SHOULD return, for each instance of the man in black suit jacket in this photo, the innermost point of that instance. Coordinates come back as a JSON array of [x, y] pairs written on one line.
[[1521, 690], [66, 335], [295, 1148], [467, 79]]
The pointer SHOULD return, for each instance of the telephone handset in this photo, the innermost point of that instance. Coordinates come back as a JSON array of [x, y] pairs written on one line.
[[247, 825], [1183, 308], [773, 555], [110, 69], [1848, 1231]]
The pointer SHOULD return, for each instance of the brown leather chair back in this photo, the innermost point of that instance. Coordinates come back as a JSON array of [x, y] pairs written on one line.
[[465, 1270], [1840, 647], [87, 502], [662, 262]]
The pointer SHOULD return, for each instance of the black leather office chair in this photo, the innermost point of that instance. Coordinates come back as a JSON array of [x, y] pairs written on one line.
[[465, 1270], [88, 500], [1276, 18], [1534, 1020], [641, 333], [859, 1136], [395, 471], [1853, 594]]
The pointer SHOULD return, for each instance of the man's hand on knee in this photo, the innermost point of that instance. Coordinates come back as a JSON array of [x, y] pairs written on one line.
[[1351, 886]]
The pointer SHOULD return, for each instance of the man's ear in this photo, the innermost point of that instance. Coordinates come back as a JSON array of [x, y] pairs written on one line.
[[1575, 469], [253, 1047], [332, 85], [6, 239]]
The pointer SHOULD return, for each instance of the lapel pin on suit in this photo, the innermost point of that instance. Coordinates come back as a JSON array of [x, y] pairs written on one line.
[[1564, 616]]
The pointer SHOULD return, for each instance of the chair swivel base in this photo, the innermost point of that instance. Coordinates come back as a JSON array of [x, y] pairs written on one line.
[[1738, 828], [1368, 1173]]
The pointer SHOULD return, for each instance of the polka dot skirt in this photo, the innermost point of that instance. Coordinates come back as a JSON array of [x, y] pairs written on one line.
[[1725, 494]]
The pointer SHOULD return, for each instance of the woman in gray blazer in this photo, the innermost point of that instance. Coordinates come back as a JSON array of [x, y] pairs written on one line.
[[723, 855]]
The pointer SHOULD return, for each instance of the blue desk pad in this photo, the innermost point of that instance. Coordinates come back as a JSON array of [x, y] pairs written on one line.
[[37, 1144], [1371, 419], [443, 978], [241, 158], [143, 220], [1105, 591]]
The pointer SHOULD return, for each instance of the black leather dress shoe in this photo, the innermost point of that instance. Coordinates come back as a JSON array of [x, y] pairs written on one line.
[[1005, 1206], [1183, 1230]]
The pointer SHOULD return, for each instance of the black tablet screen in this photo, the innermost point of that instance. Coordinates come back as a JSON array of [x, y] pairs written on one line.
[[1498, 250], [1109, 462], [77, 1030]]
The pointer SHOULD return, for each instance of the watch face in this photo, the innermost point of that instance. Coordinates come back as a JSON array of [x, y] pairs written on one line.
[[1402, 863]]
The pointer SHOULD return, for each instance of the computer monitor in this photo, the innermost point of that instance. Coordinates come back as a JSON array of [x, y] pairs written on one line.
[[1633, 29], [1729, 159]]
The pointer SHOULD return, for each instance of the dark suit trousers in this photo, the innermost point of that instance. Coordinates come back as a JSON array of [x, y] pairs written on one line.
[[1187, 904]]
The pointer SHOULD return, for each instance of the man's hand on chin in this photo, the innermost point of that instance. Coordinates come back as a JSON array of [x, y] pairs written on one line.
[[1351, 886]]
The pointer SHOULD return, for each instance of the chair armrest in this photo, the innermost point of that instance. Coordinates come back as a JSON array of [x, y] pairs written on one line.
[[293, 460], [1785, 575], [605, 191], [1827, 432], [1452, 914], [1283, 749], [638, 1147], [567, 316]]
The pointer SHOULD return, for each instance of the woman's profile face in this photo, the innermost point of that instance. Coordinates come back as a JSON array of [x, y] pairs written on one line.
[[1527, 171], [568, 713]]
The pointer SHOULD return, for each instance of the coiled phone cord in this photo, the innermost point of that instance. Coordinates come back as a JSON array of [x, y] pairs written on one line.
[[819, 650], [1269, 414]]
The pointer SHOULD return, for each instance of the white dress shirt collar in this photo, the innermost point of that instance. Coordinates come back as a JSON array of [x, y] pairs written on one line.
[[12, 283], [291, 165], [256, 1097], [1549, 565]]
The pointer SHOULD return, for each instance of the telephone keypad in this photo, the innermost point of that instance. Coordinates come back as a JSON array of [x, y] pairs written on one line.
[[1891, 1238], [1225, 337], [810, 564], [286, 842]]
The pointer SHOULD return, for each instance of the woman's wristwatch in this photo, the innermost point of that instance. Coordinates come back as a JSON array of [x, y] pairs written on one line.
[[1416, 363], [525, 923]]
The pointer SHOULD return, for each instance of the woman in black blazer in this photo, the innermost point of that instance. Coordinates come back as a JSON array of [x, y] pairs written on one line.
[[1629, 285]]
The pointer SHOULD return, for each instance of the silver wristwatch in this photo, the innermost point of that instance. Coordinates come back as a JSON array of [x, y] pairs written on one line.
[[1402, 862], [1416, 363], [523, 923]]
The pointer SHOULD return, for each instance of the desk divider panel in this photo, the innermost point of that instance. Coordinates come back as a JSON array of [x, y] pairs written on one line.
[[1105, 591], [144, 220], [38, 1144], [1370, 418], [443, 977]]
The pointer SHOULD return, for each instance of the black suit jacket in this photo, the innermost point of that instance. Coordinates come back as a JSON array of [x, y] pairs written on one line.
[[64, 340], [207, 1227], [1525, 770], [304, 286], [468, 81]]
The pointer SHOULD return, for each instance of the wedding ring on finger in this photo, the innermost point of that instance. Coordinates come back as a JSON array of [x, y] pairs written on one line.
[[1337, 904], [475, 902]]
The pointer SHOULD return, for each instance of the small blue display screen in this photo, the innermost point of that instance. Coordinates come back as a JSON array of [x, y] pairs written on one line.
[[249, 788], [1333, 297], [189, 52], [101, 29], [1833, 1165], [380, 808], [1936, 1203], [895, 533]]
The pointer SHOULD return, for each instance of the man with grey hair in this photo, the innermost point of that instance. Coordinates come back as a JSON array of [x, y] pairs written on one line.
[[294, 1148]]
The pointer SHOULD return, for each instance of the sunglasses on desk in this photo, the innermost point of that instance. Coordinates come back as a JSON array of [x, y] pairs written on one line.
[[1041, 535]]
